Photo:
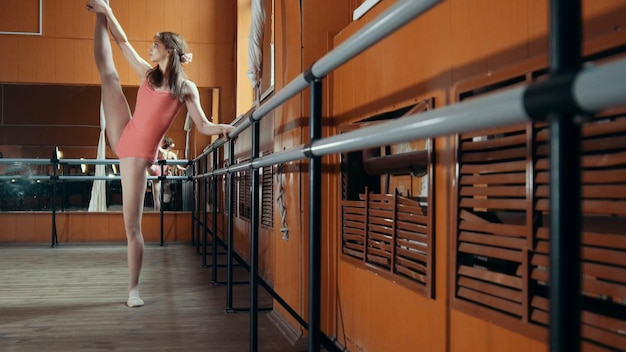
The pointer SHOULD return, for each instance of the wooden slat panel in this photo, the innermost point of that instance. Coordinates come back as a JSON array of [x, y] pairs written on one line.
[[380, 216], [374, 228], [407, 226], [411, 254], [492, 168], [594, 191], [415, 276], [517, 178], [408, 203], [413, 210], [491, 289], [498, 241], [588, 161], [590, 177], [607, 256], [354, 253], [491, 155], [413, 236], [380, 198], [500, 229], [354, 224], [413, 218], [354, 238], [493, 131], [605, 337], [501, 279], [592, 206], [498, 191], [491, 301], [586, 346], [352, 204], [511, 204], [604, 240], [492, 252], [606, 272], [500, 142], [418, 267]]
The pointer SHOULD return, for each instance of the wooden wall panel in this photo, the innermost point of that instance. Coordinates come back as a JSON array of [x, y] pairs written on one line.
[[90, 227], [245, 91], [72, 41], [478, 336], [286, 124], [455, 40], [45, 64], [9, 56], [376, 314], [19, 16]]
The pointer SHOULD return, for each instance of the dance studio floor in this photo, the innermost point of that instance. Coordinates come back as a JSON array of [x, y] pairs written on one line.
[[72, 298]]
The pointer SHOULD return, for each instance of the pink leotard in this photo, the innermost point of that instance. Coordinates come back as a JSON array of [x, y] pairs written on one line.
[[154, 113]]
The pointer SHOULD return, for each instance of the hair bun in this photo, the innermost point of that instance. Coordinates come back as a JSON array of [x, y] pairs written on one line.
[[186, 58]]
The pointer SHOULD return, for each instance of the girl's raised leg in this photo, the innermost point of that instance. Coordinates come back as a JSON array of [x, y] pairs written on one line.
[[116, 110]]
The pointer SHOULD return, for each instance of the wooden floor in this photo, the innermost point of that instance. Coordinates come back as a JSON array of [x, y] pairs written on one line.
[[72, 298]]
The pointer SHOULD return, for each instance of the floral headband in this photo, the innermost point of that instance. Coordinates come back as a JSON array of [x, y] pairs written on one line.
[[185, 58]]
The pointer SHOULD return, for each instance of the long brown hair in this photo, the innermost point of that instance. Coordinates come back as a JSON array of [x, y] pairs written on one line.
[[174, 70]]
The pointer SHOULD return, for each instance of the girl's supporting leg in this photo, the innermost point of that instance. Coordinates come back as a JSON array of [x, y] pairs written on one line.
[[156, 195], [154, 170], [116, 110], [133, 172]]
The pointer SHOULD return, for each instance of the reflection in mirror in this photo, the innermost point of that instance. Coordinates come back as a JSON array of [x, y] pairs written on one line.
[[42, 121]]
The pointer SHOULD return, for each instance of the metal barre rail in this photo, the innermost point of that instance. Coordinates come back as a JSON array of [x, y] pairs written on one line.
[[398, 15], [86, 178], [50, 162], [594, 89]]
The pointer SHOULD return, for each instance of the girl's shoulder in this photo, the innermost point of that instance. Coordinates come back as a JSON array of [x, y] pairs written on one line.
[[189, 88]]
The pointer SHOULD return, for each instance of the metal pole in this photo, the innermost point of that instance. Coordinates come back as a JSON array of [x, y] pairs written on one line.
[[231, 214], [395, 17], [161, 197], [254, 241], [204, 224], [53, 201], [565, 193], [315, 205], [193, 205], [214, 212]]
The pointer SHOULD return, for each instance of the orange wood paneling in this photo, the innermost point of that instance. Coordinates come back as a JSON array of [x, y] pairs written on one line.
[[455, 40], [19, 16], [289, 269], [90, 227], [477, 335], [9, 56], [378, 315]]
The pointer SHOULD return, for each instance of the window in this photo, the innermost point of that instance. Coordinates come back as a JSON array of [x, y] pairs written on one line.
[[267, 196], [244, 182], [501, 243], [387, 207]]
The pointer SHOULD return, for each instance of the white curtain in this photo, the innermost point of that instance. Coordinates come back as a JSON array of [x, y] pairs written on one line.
[[187, 127], [255, 42], [98, 200]]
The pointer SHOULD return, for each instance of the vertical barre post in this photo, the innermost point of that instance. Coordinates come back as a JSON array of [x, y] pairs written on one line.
[[229, 245], [161, 200], [565, 184], [204, 224], [214, 222], [254, 241], [193, 205], [315, 200], [53, 200], [197, 205]]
